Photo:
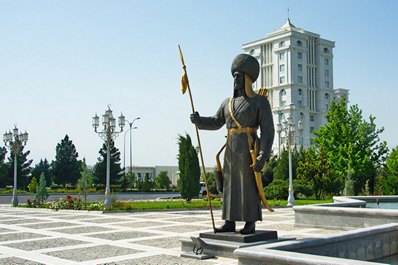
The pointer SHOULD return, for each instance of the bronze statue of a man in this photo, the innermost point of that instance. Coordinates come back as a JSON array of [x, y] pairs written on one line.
[[243, 114]]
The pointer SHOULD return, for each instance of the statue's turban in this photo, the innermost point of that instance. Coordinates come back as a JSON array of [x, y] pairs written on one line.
[[247, 64]]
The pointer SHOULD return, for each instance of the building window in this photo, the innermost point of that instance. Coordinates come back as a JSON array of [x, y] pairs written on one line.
[[300, 92], [326, 84], [282, 80], [300, 68], [302, 116], [326, 61], [312, 128], [282, 56], [282, 98], [282, 68], [281, 44], [300, 79], [327, 96], [326, 50], [312, 118], [299, 55], [299, 43], [327, 107], [326, 72], [299, 103]]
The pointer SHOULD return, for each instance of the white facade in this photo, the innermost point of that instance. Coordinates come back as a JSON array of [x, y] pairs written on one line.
[[296, 68], [172, 172]]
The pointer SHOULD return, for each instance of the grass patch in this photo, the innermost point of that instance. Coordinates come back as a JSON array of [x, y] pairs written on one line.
[[164, 205], [278, 203], [156, 205]]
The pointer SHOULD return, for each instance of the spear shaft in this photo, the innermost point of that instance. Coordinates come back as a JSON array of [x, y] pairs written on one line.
[[197, 136]]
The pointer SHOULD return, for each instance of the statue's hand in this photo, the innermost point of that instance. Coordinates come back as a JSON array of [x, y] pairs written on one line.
[[260, 162], [195, 118]]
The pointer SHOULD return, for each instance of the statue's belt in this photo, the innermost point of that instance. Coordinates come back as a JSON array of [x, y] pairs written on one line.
[[241, 130]]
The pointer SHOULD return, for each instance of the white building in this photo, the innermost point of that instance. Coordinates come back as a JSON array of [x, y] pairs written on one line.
[[296, 68], [172, 172]]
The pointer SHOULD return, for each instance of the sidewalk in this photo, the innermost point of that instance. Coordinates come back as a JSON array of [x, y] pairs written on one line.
[[41, 236]]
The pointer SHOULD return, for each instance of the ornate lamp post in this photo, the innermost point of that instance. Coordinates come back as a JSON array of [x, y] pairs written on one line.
[[107, 134], [131, 152], [289, 128], [15, 146]]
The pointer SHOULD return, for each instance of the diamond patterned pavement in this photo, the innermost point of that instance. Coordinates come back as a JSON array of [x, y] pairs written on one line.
[[42, 236]]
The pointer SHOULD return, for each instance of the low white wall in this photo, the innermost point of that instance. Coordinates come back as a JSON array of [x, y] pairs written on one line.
[[343, 215], [353, 248]]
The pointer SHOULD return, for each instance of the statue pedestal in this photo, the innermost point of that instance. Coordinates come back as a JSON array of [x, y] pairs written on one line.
[[210, 245], [260, 235]]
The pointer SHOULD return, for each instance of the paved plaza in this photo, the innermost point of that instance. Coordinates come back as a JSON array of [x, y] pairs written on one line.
[[41, 236]]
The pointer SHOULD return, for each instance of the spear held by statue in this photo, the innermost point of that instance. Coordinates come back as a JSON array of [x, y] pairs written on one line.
[[185, 86]]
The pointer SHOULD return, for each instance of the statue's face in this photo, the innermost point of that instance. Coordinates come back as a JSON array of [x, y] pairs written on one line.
[[239, 80]]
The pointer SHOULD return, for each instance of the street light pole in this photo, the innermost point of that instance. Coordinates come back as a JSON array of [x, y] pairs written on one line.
[[16, 147], [131, 152], [108, 134], [290, 199], [289, 128]]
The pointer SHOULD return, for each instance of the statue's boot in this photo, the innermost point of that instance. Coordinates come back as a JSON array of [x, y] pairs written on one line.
[[250, 228], [229, 226]]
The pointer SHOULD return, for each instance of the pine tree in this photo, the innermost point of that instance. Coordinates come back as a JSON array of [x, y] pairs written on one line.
[[43, 167], [66, 167], [41, 190], [188, 164], [23, 169], [116, 172]]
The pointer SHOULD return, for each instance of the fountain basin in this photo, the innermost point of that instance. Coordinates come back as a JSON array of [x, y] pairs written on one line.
[[346, 213], [355, 247]]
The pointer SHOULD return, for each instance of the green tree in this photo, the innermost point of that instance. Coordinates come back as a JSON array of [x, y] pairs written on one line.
[[116, 172], [32, 185], [43, 167], [277, 190], [316, 170], [188, 164], [349, 183], [162, 180], [211, 182], [85, 181], [3, 167], [131, 178], [348, 139], [41, 190], [146, 184], [66, 167], [281, 170], [23, 169], [391, 179], [124, 182]]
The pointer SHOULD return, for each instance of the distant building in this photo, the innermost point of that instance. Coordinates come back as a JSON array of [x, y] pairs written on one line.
[[172, 172], [296, 68]]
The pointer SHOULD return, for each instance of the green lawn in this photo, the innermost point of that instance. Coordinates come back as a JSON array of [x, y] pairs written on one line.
[[73, 203], [197, 204]]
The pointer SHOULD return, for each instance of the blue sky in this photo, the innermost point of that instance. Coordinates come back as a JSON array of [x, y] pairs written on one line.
[[63, 61]]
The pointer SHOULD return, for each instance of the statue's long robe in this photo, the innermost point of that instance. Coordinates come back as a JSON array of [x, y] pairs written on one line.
[[240, 196]]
